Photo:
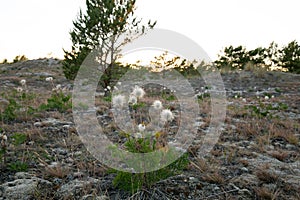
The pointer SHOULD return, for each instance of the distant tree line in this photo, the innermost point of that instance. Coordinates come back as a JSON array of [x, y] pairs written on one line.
[[287, 57], [15, 60]]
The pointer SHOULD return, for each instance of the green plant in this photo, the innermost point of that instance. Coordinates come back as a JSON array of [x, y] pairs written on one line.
[[18, 103], [18, 166], [3, 146], [265, 110], [138, 105], [260, 111], [282, 106], [278, 90], [169, 97], [58, 101], [133, 182], [10, 112], [107, 98], [18, 138], [202, 96]]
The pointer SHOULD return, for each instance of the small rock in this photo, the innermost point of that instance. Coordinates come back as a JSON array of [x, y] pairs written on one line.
[[234, 186], [92, 197], [67, 126], [53, 164], [23, 187], [244, 169], [216, 188], [193, 180], [74, 188], [244, 192], [78, 153], [290, 147], [22, 175], [37, 124]]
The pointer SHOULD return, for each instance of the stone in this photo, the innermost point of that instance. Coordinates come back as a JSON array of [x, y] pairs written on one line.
[[37, 124], [23, 187], [244, 169], [92, 197], [77, 188]]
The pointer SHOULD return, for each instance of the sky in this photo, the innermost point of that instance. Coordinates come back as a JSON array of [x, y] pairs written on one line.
[[40, 28]]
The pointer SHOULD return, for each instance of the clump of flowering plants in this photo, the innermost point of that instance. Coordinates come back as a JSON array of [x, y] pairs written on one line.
[[145, 132]]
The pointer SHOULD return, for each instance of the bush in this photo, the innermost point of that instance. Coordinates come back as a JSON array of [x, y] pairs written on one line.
[[57, 102], [133, 182], [10, 112]]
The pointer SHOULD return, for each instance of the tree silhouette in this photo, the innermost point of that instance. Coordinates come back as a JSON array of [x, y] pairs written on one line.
[[100, 27]]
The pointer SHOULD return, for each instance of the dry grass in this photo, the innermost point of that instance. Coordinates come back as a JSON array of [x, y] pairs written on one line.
[[57, 171], [262, 141], [200, 164], [92, 167], [280, 155], [265, 176], [258, 71], [288, 136], [250, 129], [215, 177], [244, 162], [267, 194]]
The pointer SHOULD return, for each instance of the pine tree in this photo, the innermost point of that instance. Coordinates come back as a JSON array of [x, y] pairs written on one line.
[[100, 27], [290, 57]]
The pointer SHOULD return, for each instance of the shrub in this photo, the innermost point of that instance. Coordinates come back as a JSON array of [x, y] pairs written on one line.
[[57, 102], [133, 182], [10, 112]]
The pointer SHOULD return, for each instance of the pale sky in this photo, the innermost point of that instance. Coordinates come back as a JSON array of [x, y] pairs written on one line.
[[37, 28]]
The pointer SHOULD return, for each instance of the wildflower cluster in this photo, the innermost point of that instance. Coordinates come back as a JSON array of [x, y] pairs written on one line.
[[21, 88], [59, 100], [147, 136], [161, 116]]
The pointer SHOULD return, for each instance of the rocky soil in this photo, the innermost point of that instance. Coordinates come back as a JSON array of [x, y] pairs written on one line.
[[256, 157]]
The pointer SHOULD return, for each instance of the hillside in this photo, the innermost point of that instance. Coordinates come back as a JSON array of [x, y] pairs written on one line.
[[256, 157]]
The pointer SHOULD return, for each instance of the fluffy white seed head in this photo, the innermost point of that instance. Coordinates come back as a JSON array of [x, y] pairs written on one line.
[[132, 99], [138, 92], [157, 105], [23, 82], [19, 89], [4, 137], [166, 115], [48, 79], [266, 98], [141, 127], [118, 100], [138, 135], [58, 87]]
